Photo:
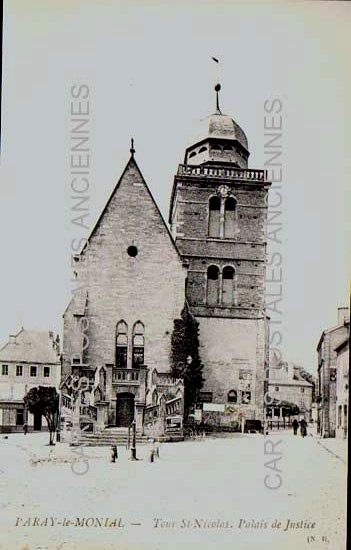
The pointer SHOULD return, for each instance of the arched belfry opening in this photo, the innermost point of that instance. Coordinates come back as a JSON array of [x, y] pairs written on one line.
[[229, 217], [214, 217], [212, 285]]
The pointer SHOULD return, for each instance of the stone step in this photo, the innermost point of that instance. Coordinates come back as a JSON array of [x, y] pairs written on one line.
[[118, 433], [122, 429], [100, 443], [112, 442], [111, 437], [106, 438]]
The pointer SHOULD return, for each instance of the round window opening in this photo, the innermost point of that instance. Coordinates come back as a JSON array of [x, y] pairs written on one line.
[[132, 251]]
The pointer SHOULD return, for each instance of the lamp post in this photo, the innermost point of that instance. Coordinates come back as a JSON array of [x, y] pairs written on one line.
[[58, 427], [133, 447], [189, 360]]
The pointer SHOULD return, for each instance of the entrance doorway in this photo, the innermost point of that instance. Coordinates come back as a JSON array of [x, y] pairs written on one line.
[[124, 409], [37, 422]]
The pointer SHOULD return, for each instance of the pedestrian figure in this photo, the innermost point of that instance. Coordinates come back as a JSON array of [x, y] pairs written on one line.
[[25, 428], [295, 425], [114, 453], [303, 427]]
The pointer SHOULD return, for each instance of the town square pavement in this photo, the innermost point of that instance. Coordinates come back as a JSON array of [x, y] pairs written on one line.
[[203, 494]]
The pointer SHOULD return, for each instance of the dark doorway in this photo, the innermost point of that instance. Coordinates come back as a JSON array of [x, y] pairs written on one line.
[[37, 422], [124, 409], [19, 417]]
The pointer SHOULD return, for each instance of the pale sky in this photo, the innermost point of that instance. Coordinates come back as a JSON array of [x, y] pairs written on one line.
[[148, 68]]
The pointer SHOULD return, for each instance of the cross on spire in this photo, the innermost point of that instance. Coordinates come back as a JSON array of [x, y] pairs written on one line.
[[132, 150]]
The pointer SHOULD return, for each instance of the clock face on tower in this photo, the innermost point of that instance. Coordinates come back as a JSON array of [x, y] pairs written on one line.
[[223, 191]]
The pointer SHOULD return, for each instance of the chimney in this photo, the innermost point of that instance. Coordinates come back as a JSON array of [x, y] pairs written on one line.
[[343, 315], [57, 344], [296, 372]]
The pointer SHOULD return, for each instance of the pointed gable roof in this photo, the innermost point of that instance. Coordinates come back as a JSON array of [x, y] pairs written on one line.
[[31, 346], [131, 164]]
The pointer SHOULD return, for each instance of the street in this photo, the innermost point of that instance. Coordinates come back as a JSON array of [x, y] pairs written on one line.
[[206, 493]]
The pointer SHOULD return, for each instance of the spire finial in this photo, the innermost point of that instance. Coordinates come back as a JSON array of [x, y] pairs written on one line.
[[132, 150], [217, 89]]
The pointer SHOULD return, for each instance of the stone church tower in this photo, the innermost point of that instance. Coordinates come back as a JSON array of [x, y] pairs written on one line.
[[217, 217]]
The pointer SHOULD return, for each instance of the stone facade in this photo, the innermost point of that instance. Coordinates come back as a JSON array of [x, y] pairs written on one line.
[[230, 353], [327, 373], [29, 359], [130, 288], [342, 388]]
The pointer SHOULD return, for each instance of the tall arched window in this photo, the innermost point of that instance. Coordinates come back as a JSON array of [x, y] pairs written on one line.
[[212, 285], [121, 345], [229, 217], [138, 345], [232, 396], [214, 217], [228, 286]]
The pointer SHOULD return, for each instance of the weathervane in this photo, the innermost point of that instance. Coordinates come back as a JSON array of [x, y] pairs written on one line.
[[217, 89]]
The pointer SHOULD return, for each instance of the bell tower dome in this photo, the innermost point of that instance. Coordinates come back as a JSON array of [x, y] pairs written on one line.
[[220, 140]]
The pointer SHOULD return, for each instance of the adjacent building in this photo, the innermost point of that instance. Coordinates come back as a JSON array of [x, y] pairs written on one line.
[[327, 372], [290, 391], [30, 358], [342, 388]]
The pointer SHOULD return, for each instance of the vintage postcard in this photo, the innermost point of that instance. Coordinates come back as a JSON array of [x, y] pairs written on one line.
[[175, 263]]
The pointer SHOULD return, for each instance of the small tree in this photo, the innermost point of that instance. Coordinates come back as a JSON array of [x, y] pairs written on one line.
[[44, 400], [185, 360]]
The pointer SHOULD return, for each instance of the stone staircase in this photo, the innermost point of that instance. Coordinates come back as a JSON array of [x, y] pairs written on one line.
[[109, 437]]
